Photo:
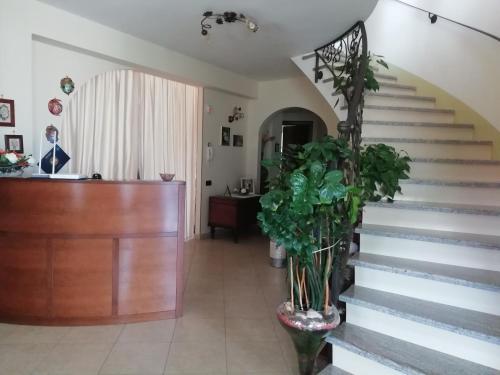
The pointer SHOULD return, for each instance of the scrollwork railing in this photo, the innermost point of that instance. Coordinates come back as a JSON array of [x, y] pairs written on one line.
[[346, 59]]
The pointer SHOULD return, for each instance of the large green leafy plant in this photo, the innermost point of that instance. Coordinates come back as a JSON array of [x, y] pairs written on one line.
[[310, 209]]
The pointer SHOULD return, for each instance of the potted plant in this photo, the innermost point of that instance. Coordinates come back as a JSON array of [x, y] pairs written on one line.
[[310, 209], [13, 163]]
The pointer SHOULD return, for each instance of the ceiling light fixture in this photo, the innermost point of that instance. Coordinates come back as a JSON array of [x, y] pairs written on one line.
[[226, 17]]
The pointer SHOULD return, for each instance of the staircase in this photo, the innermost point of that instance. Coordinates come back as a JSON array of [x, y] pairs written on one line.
[[426, 298]]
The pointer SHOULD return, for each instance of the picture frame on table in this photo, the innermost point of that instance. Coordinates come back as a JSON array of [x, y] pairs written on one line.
[[225, 136], [7, 112], [247, 183], [14, 142]]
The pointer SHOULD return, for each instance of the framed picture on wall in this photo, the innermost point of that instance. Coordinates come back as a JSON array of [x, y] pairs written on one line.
[[225, 137], [7, 112], [247, 184], [237, 140], [14, 143]]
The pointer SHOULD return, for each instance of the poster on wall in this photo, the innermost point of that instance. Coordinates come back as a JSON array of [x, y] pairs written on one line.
[[7, 113], [225, 137]]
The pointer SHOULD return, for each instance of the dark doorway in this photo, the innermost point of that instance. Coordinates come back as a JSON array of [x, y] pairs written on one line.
[[296, 133]]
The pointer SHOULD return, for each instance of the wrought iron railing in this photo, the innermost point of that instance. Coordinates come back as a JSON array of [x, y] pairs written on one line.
[[346, 59]]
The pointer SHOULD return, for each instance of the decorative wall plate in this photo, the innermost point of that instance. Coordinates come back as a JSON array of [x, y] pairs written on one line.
[[67, 85], [55, 107]]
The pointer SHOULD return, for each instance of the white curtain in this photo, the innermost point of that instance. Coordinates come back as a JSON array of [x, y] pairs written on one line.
[[125, 124]]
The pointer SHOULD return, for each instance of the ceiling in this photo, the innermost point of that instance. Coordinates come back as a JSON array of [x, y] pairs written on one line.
[[287, 28]]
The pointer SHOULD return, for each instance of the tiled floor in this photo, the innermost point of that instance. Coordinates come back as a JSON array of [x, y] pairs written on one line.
[[228, 326]]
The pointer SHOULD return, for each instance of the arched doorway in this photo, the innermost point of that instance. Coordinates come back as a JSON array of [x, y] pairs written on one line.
[[293, 125]]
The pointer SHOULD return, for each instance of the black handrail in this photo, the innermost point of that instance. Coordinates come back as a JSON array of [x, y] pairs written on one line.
[[450, 20]]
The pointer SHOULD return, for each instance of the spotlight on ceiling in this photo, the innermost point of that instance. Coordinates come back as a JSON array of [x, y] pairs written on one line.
[[226, 17], [433, 17]]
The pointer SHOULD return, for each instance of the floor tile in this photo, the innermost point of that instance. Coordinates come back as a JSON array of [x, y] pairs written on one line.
[[93, 334], [199, 329], [157, 331], [203, 306], [22, 359], [197, 356], [71, 358], [250, 329], [246, 307], [131, 358], [35, 335], [255, 356]]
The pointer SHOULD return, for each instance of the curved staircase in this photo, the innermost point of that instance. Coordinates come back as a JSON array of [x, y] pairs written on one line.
[[426, 298]]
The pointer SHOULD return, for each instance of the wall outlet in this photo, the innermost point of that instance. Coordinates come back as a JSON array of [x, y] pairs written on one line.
[[208, 183]]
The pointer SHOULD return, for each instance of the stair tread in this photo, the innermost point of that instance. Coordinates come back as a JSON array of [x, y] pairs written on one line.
[[332, 370], [401, 108], [440, 207], [469, 277], [400, 355], [420, 124], [456, 161], [470, 323], [397, 85], [451, 183], [401, 96], [419, 140], [455, 238], [386, 76]]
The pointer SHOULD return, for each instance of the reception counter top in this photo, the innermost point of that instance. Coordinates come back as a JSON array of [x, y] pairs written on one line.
[[90, 252]]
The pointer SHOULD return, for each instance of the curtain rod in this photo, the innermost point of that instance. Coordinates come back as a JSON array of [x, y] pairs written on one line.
[[448, 19]]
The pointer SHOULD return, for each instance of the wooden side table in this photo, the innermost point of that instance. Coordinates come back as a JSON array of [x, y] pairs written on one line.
[[235, 212]]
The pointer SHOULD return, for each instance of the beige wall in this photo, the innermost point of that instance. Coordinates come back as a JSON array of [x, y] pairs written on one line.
[[483, 130], [276, 95], [228, 164], [25, 20], [461, 62]]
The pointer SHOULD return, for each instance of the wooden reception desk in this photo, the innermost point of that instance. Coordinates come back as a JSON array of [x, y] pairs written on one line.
[[90, 252]]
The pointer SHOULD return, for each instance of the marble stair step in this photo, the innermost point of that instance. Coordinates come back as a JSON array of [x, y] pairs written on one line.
[[406, 114], [400, 356], [477, 325], [332, 370], [463, 276], [445, 191], [380, 77], [430, 245], [437, 148], [455, 169], [417, 130], [401, 100], [452, 217], [488, 242]]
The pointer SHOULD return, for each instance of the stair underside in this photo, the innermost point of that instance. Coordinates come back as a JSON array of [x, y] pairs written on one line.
[[474, 324], [449, 183], [456, 161], [468, 277], [454, 238], [434, 141], [332, 370], [400, 355]]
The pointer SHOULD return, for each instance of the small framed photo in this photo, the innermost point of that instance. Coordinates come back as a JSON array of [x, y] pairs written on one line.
[[225, 137], [237, 140], [14, 143], [247, 184], [7, 112]]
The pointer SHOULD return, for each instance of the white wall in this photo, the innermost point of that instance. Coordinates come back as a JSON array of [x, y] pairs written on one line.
[[50, 64], [228, 164], [21, 20], [274, 96], [460, 61], [481, 14]]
